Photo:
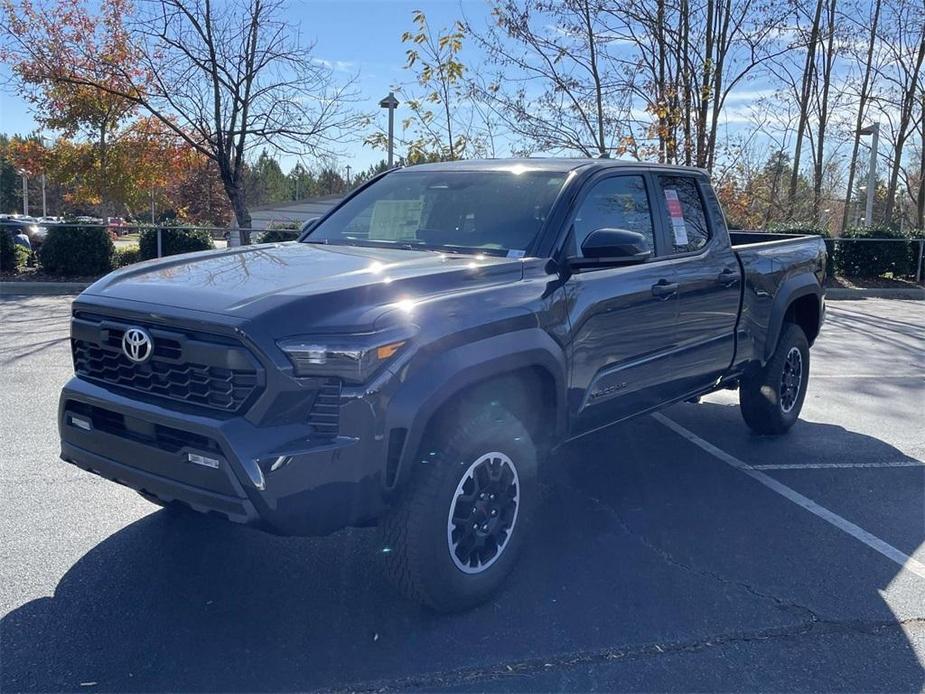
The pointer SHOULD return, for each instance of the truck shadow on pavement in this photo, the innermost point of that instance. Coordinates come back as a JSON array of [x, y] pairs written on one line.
[[646, 549]]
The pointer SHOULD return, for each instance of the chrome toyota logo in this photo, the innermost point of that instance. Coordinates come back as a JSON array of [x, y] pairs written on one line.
[[137, 345]]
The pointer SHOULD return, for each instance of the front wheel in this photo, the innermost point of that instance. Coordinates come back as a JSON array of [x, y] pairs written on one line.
[[456, 533], [771, 397]]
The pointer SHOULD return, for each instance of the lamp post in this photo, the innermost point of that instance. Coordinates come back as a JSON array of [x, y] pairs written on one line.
[[391, 103], [874, 132], [25, 191], [44, 201]]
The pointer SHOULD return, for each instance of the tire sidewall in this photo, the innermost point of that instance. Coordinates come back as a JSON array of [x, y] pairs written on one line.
[[792, 337], [509, 438]]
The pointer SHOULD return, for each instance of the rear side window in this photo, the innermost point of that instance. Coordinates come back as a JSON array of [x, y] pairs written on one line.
[[619, 202], [687, 225]]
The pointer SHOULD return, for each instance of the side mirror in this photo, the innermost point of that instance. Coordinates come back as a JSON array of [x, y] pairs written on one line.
[[612, 247], [310, 224]]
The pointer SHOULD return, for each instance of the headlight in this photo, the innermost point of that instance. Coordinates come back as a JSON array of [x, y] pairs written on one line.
[[352, 359]]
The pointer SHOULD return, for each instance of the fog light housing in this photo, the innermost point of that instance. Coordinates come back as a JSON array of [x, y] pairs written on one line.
[[80, 423], [203, 460]]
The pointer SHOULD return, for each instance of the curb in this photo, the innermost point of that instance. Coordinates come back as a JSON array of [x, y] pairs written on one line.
[[883, 293], [48, 288]]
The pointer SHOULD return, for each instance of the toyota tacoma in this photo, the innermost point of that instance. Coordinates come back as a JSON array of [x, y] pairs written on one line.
[[412, 359]]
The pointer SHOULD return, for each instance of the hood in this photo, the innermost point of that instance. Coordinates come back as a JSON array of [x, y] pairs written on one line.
[[257, 280]]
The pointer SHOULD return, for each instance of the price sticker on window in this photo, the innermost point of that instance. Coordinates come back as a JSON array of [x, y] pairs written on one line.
[[676, 213]]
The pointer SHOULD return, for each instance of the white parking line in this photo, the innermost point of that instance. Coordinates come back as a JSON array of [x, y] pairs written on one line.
[[826, 466], [846, 526], [882, 376]]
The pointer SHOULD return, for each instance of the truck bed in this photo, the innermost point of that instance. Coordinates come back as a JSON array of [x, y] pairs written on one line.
[[774, 266]]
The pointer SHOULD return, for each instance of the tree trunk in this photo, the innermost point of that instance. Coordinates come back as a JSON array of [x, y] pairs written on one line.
[[809, 67], [235, 192], [828, 61], [909, 98], [862, 107]]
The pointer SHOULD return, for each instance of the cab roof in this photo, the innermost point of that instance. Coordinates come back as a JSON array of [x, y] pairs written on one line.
[[551, 164]]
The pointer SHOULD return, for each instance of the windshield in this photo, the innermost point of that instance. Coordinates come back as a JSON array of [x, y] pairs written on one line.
[[494, 212]]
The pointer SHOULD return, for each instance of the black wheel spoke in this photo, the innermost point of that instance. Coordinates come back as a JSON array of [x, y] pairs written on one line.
[[483, 512]]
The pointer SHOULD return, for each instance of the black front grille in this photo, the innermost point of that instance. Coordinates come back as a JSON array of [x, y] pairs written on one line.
[[324, 417], [197, 370]]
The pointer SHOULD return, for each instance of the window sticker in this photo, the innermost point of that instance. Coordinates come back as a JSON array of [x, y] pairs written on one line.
[[677, 217], [393, 220], [515, 253]]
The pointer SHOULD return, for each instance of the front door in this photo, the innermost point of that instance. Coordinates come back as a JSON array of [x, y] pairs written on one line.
[[622, 318]]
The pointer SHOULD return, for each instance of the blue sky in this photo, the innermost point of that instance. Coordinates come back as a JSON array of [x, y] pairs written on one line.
[[354, 36]]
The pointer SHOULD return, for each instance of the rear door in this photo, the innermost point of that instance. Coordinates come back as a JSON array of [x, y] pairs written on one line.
[[622, 318], [709, 277]]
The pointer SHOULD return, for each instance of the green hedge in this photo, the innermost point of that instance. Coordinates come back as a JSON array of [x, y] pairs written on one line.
[[174, 240], [279, 235], [872, 259], [7, 250], [799, 228], [76, 251], [126, 256]]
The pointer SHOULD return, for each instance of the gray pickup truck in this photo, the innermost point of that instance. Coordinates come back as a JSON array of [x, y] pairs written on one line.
[[411, 360]]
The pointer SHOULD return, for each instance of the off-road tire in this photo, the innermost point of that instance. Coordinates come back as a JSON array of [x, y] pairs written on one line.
[[766, 404], [417, 551]]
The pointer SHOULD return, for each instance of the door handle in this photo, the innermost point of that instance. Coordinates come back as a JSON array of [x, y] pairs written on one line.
[[728, 277], [664, 289]]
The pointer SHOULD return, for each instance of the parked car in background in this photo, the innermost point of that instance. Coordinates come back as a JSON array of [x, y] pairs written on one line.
[[424, 346], [31, 227], [115, 226]]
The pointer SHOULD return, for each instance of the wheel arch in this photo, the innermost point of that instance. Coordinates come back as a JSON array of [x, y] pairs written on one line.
[[799, 301], [517, 370]]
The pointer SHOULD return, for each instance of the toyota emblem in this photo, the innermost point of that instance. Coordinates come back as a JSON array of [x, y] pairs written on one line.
[[137, 345]]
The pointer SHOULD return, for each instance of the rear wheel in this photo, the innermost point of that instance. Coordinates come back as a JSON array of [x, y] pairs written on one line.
[[771, 397], [456, 533]]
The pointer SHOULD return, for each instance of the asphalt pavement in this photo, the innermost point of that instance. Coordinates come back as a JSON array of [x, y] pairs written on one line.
[[676, 552]]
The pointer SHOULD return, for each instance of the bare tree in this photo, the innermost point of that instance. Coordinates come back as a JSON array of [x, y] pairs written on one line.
[[225, 77], [821, 82], [550, 85], [903, 76], [690, 57], [804, 101], [864, 94]]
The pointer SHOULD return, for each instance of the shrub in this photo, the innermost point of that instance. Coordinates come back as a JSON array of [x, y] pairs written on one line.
[[7, 250], [174, 240], [872, 259], [126, 256], [799, 228], [23, 256], [73, 250], [280, 233]]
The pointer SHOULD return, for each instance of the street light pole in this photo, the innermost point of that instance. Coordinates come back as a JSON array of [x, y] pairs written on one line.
[[25, 192], [44, 205], [391, 103], [874, 132]]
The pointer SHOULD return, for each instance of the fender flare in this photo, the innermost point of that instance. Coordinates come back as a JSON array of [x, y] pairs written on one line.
[[793, 288], [431, 387]]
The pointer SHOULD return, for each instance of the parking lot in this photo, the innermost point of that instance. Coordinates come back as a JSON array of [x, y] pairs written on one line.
[[674, 552]]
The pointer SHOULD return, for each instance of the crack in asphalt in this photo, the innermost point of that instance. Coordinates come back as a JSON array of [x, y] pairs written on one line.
[[568, 661], [810, 617]]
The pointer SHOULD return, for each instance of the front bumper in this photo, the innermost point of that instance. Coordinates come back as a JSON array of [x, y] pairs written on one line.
[[271, 477]]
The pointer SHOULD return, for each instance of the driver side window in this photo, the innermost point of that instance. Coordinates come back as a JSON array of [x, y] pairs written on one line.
[[618, 202]]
